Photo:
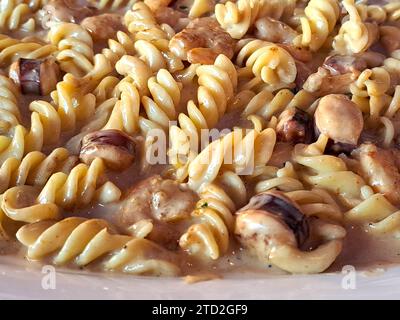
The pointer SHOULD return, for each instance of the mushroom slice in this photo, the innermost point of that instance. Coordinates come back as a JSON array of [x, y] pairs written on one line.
[[276, 203], [35, 76], [295, 125], [116, 148], [339, 118]]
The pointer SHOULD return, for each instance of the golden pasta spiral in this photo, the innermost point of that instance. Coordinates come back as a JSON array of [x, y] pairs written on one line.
[[355, 36], [330, 173], [376, 214], [76, 189], [269, 105], [217, 85], [240, 151], [10, 114], [122, 45], [208, 237], [237, 18], [393, 11], [373, 13], [35, 168], [269, 62], [314, 202], [16, 15], [317, 24], [48, 121], [151, 39], [372, 91], [125, 113], [161, 107], [83, 241], [76, 55], [113, 5], [11, 49]]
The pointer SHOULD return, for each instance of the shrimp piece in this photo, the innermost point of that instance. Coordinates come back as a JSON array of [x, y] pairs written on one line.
[[276, 31], [174, 18], [202, 41]]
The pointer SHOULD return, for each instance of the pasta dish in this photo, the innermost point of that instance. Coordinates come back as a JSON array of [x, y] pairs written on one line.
[[200, 137]]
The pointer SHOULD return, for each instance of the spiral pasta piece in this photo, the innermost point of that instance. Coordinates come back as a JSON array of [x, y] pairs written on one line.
[[85, 241], [208, 236], [11, 49], [72, 106], [125, 113], [151, 39], [75, 189], [376, 214], [269, 62], [237, 18], [75, 53], [161, 108], [330, 173], [16, 15], [291, 259], [370, 92], [112, 4], [355, 36], [393, 11], [376, 92], [105, 89], [240, 151], [317, 24], [142, 24], [217, 85], [117, 48], [314, 202], [47, 121], [374, 13], [79, 187], [136, 71], [35, 168], [10, 114], [269, 105], [75, 47]]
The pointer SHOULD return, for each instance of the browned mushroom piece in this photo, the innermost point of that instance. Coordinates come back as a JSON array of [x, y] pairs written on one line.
[[340, 64], [64, 11], [177, 19], [202, 41], [116, 148], [164, 202], [275, 203], [390, 38], [295, 126], [35, 76], [339, 118], [303, 72], [104, 26], [338, 72], [276, 31]]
